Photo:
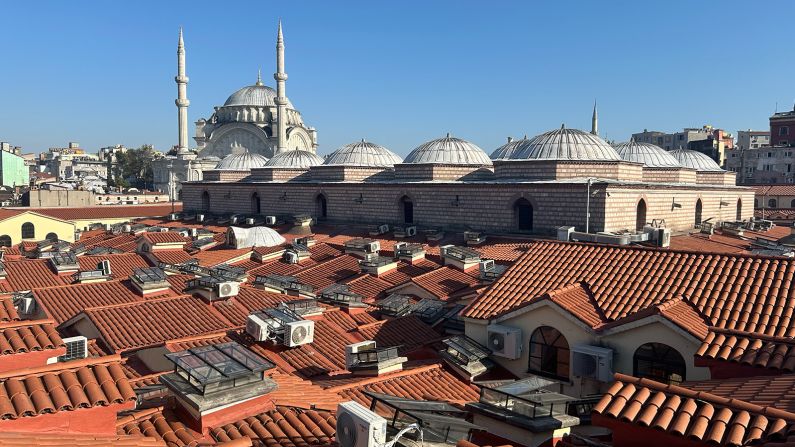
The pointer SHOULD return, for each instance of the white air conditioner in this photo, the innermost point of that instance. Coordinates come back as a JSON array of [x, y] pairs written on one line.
[[200, 218], [357, 426], [257, 328], [126, 228], [411, 231], [299, 333], [290, 257], [372, 247], [383, 229], [194, 232], [505, 341], [593, 362], [164, 229], [76, 348], [173, 216], [104, 265], [270, 220], [664, 237], [486, 265], [249, 221], [357, 347], [227, 289]]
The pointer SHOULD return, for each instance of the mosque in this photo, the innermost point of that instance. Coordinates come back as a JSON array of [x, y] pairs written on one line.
[[266, 164]]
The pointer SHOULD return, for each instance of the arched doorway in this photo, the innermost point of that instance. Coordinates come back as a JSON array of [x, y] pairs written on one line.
[[321, 206], [523, 214], [660, 362], [699, 208], [5, 240], [407, 208], [549, 353], [256, 204], [28, 231], [52, 237], [640, 215], [205, 201], [739, 210]]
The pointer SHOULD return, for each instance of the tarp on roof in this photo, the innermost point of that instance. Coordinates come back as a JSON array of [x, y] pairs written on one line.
[[253, 237]]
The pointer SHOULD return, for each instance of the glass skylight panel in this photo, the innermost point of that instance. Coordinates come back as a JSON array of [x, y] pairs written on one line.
[[463, 253], [149, 275]]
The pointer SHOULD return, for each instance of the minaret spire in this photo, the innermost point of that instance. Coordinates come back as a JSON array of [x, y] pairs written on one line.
[[595, 120], [259, 77], [182, 97], [281, 93]]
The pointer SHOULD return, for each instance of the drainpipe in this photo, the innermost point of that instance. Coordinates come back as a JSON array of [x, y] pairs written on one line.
[[588, 206]]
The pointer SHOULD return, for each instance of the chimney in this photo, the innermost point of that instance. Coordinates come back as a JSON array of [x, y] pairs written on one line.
[[366, 359], [229, 395], [461, 258]]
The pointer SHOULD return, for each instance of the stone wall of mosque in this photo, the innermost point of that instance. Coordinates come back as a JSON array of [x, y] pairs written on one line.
[[716, 178], [557, 169], [338, 173], [224, 175], [427, 172], [669, 175], [494, 207]]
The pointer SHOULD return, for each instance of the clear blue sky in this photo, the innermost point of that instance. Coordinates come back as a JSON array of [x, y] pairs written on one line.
[[395, 72]]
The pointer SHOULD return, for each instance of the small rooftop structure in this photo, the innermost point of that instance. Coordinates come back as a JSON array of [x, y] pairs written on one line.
[[253, 237], [395, 305], [341, 295], [286, 284], [467, 357], [366, 358]]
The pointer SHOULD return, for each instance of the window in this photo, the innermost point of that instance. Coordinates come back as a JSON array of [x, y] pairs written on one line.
[[321, 206], [772, 203], [205, 201], [407, 206], [768, 167], [523, 212], [640, 215], [5, 240], [699, 208], [769, 155], [783, 142], [739, 210], [52, 237], [549, 353], [783, 130], [256, 204], [659, 362], [28, 231], [792, 204]]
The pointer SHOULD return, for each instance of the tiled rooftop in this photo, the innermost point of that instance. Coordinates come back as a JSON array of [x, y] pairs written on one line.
[[27, 336], [770, 353], [445, 281], [64, 302], [121, 265]]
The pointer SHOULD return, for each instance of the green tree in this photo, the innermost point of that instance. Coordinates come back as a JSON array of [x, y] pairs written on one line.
[[134, 168]]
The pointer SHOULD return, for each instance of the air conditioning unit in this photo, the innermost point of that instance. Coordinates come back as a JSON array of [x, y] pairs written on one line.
[[76, 348], [249, 221], [257, 328], [227, 289], [664, 237], [357, 426], [200, 218], [383, 229], [372, 247], [173, 216], [505, 341], [299, 333], [104, 265], [126, 228], [411, 231], [593, 362], [270, 220], [290, 257], [194, 232], [164, 229], [486, 266], [564, 233]]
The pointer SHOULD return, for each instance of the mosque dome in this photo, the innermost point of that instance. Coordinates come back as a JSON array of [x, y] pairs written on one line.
[[450, 151], [695, 160], [650, 155], [295, 159], [507, 150], [242, 161], [363, 153], [257, 95], [566, 144]]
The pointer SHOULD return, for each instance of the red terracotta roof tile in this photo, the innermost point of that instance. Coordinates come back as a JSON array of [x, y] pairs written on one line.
[[215, 256], [324, 355], [153, 322], [248, 300], [502, 251], [67, 386], [408, 332], [27, 274], [8, 312], [405, 271], [105, 212], [283, 427], [765, 391], [116, 242], [748, 293], [121, 265], [64, 302], [159, 424], [330, 272], [28, 336], [777, 353], [578, 300], [445, 281], [280, 267], [697, 416], [171, 256], [368, 286], [294, 391], [164, 237], [774, 190], [8, 439]]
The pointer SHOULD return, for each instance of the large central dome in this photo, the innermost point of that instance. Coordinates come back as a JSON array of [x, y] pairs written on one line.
[[566, 144], [449, 151], [258, 95]]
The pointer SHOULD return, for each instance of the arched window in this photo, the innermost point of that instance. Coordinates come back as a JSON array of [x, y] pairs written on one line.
[[256, 205], [640, 215], [5, 240], [28, 231], [792, 204], [772, 203], [549, 353], [321, 206], [52, 237], [756, 203], [739, 210], [205, 201], [659, 362], [407, 207], [523, 214], [699, 207]]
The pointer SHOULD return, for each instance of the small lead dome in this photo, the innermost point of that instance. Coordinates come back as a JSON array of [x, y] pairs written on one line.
[[650, 155], [296, 159], [242, 161], [506, 151], [449, 151], [363, 153], [566, 144], [695, 160]]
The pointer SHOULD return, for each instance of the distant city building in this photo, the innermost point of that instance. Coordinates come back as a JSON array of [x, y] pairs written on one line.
[[782, 128], [752, 139], [707, 139], [13, 171]]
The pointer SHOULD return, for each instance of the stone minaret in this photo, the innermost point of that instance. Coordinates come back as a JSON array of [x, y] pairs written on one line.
[[281, 94], [182, 97], [595, 120]]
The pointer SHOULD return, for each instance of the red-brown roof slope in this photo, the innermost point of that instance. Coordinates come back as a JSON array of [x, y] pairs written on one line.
[[27, 274], [64, 386], [445, 281], [8, 312], [698, 416], [330, 272], [408, 332], [121, 265], [165, 237], [106, 212], [64, 302], [765, 391], [76, 440], [283, 427], [26, 336], [776, 353], [749, 293], [153, 322]]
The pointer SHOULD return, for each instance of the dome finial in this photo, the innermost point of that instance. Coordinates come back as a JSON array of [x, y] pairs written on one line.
[[363, 140], [448, 134], [259, 77], [563, 126]]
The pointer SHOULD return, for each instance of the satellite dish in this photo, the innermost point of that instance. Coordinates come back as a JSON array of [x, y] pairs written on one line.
[[346, 431]]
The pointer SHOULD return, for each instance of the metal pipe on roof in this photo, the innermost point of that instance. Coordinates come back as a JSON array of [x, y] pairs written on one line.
[[588, 206]]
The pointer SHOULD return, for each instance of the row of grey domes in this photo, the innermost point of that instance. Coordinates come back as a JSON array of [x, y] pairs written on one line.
[[559, 144]]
